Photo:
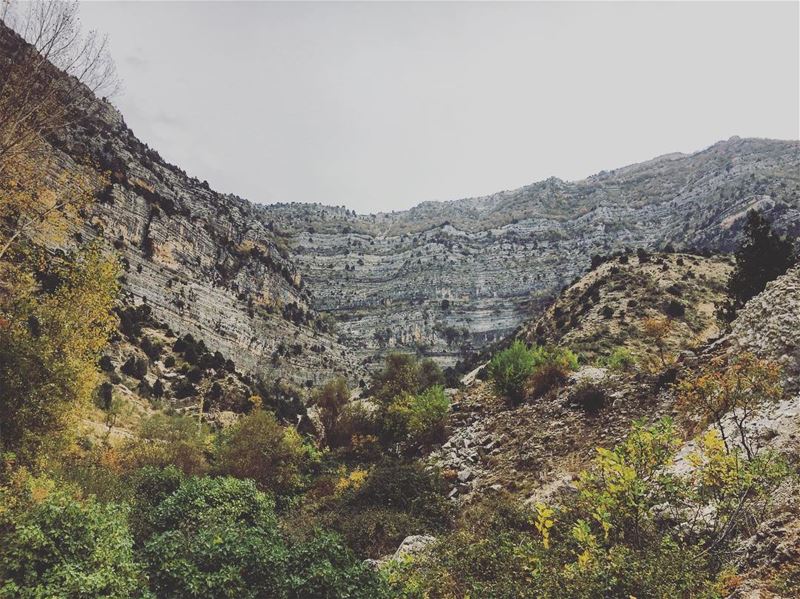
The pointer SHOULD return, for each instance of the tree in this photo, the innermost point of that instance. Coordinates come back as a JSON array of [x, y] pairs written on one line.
[[51, 336], [169, 440], [259, 448], [658, 331], [736, 390], [38, 203], [55, 545], [47, 83], [762, 256], [400, 374], [330, 399], [214, 537]]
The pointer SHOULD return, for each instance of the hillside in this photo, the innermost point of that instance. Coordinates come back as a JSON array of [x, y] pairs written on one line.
[[607, 308]]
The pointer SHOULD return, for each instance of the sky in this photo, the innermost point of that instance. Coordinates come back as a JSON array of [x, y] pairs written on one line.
[[380, 106]]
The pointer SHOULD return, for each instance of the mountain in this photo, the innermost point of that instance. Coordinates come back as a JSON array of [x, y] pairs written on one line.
[[264, 284], [452, 277]]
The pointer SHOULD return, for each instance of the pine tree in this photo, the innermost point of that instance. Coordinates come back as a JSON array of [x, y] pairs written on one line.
[[762, 256]]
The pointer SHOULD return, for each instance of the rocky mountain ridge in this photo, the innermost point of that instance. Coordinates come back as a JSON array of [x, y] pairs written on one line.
[[450, 278], [264, 284]]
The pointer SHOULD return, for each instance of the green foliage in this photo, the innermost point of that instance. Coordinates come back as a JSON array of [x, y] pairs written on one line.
[[403, 373], [324, 568], [395, 500], [166, 440], [761, 257], [331, 399], [51, 336], [219, 537], [54, 545], [631, 530], [417, 419], [512, 368], [430, 374], [620, 359], [258, 448], [215, 537]]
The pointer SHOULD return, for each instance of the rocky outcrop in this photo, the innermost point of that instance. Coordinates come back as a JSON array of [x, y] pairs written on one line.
[[769, 325]]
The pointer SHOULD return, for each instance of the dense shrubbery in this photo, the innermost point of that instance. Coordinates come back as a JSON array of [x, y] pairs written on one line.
[[54, 545], [258, 448], [513, 369], [403, 373], [376, 509], [417, 419], [51, 337]]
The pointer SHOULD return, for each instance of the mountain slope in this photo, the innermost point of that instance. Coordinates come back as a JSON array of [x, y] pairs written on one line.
[[446, 278], [453, 277]]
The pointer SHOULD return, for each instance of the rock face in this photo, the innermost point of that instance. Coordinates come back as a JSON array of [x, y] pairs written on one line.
[[455, 276], [769, 325], [205, 262], [447, 278]]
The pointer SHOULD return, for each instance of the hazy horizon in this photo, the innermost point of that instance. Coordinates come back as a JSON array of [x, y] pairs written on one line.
[[383, 106]]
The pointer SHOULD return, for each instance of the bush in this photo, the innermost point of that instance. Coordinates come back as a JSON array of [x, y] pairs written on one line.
[[543, 367], [324, 568], [169, 440], [135, 367], [674, 309], [430, 375], [591, 397], [259, 448], [417, 419], [395, 500], [620, 359], [403, 373], [57, 546], [330, 400], [510, 369], [215, 537]]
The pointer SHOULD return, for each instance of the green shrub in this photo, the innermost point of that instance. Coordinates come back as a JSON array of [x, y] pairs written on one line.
[[403, 373], [513, 368], [166, 440], [417, 419], [325, 568], [215, 537], [399, 375], [620, 359], [395, 500], [54, 545], [258, 448], [510, 370]]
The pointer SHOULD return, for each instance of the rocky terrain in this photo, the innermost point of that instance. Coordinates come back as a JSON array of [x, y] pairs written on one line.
[[533, 450], [607, 308], [536, 451]]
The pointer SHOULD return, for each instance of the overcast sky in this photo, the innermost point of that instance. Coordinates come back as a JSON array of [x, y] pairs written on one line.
[[379, 106]]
